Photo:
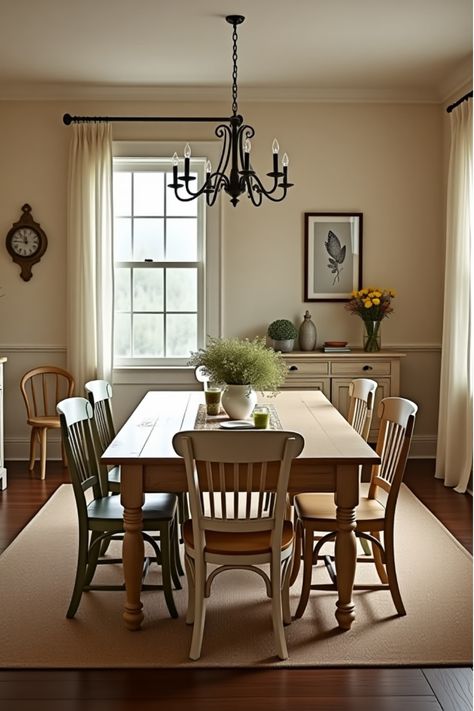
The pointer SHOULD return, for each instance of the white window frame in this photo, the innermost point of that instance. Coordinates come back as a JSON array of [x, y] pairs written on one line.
[[174, 371]]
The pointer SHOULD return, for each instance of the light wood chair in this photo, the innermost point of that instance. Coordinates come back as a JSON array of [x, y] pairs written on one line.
[[228, 474], [42, 388], [200, 375], [375, 513], [101, 516]]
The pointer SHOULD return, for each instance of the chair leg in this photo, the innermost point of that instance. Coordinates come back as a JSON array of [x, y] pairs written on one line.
[[80, 575], [307, 569], [392, 573], [43, 451], [189, 565], [277, 607], [93, 556], [297, 551], [34, 433], [377, 555], [178, 568], [199, 609], [166, 568], [285, 592]]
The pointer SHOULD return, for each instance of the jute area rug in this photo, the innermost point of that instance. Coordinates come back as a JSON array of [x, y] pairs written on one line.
[[37, 574]]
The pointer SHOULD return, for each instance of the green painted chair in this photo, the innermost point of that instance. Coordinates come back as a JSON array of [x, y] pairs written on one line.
[[101, 517], [99, 393]]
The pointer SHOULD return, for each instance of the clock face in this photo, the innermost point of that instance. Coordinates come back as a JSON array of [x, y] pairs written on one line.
[[25, 242]]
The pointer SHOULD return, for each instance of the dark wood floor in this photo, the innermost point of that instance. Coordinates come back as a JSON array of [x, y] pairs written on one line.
[[336, 689]]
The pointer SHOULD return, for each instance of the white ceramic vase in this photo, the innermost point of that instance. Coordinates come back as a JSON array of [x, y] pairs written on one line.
[[238, 401]]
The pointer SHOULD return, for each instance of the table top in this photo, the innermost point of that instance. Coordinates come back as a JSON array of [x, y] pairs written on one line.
[[147, 435]]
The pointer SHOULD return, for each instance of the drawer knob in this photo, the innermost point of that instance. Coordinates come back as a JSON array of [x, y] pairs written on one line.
[[367, 367], [293, 367]]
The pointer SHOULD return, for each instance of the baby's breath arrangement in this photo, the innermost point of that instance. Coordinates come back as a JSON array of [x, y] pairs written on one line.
[[236, 361]]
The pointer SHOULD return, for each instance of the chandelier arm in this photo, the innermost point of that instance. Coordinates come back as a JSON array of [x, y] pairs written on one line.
[[253, 193], [256, 186]]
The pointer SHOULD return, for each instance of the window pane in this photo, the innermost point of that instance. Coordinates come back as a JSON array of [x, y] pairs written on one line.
[[122, 290], [148, 289], [174, 206], [122, 335], [122, 193], [148, 335], [181, 334], [148, 240], [148, 193], [181, 289], [122, 239], [181, 239]]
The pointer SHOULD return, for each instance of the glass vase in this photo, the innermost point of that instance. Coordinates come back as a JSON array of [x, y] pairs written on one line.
[[371, 336]]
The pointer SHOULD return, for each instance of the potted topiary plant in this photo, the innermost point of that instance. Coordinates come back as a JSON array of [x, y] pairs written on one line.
[[283, 334], [242, 366]]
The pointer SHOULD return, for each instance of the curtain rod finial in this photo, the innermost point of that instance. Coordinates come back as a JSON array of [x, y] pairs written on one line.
[[67, 119]]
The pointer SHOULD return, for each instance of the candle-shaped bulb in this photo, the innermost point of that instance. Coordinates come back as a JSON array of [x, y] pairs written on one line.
[[247, 145], [275, 146], [187, 151], [208, 166], [175, 160], [285, 160]]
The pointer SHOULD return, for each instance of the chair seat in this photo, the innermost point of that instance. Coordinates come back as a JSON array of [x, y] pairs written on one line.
[[226, 543], [321, 507], [157, 507], [113, 475], [51, 421]]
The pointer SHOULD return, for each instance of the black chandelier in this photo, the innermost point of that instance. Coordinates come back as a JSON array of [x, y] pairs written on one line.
[[234, 174]]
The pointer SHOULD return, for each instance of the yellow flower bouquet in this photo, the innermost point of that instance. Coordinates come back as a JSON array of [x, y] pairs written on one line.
[[372, 305]]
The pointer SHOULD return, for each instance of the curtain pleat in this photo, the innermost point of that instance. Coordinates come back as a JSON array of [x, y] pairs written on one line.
[[89, 254], [455, 423]]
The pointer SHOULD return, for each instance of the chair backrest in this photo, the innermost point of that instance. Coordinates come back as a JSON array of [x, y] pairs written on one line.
[[42, 388], [361, 405], [228, 474], [397, 420], [99, 393], [77, 429], [200, 375]]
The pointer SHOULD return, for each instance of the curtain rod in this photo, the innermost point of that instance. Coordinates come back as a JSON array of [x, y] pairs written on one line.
[[68, 119], [459, 101]]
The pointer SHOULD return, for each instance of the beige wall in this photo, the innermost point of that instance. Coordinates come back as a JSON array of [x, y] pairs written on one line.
[[384, 160]]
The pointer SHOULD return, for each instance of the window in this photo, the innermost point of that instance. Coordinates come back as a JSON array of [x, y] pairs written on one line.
[[163, 257]]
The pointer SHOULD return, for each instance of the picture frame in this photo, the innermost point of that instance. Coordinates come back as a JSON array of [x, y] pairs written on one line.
[[332, 255]]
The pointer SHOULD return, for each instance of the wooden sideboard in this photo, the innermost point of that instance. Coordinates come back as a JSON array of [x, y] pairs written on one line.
[[3, 471], [332, 372]]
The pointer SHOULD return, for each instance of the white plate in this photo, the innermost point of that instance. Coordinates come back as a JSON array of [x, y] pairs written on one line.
[[237, 425]]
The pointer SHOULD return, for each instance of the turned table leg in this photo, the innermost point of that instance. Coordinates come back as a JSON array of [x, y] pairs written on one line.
[[133, 546], [346, 497]]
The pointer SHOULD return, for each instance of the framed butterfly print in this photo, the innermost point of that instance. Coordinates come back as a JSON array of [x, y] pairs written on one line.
[[332, 255]]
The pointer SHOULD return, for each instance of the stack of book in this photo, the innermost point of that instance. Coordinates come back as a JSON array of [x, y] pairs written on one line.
[[336, 347]]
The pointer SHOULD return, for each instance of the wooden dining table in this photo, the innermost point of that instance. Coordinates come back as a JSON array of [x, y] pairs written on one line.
[[330, 462]]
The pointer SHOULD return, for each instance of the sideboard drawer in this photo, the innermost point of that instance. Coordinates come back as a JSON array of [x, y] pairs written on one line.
[[362, 368], [302, 368]]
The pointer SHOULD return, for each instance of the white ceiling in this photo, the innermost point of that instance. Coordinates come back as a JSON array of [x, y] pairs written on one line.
[[380, 49]]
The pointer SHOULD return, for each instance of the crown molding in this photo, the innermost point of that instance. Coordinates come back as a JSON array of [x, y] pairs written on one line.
[[90, 92]]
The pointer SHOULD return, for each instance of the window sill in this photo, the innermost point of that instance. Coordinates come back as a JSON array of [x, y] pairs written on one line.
[[179, 377]]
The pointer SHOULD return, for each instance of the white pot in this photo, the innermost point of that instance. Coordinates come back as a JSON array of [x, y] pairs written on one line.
[[238, 401], [284, 346]]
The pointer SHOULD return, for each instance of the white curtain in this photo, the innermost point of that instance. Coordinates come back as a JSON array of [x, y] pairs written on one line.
[[89, 254], [455, 425]]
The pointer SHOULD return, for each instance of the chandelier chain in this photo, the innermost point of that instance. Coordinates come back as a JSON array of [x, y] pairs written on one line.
[[234, 72]]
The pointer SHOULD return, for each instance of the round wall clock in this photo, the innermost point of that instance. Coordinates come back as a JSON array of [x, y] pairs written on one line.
[[26, 242]]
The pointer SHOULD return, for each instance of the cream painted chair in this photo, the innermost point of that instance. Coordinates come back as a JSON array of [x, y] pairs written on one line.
[[361, 405], [375, 513], [228, 474], [42, 388]]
